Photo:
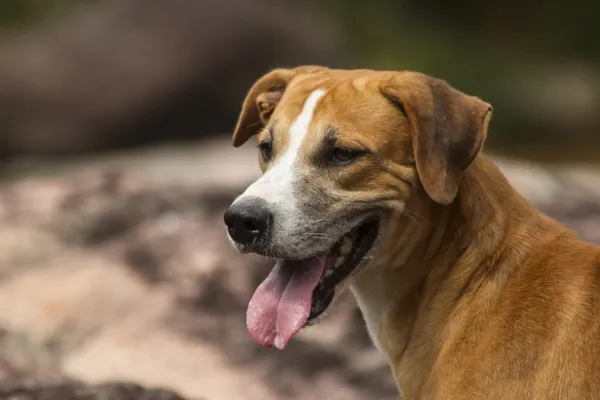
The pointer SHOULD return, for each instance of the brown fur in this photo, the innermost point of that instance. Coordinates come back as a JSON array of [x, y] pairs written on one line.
[[485, 297]]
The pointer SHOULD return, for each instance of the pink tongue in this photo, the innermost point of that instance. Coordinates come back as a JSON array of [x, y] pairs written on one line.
[[281, 304]]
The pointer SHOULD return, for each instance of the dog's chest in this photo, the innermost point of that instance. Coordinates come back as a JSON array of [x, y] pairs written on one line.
[[373, 305]]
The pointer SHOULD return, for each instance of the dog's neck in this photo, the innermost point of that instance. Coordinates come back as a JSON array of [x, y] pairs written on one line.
[[431, 250]]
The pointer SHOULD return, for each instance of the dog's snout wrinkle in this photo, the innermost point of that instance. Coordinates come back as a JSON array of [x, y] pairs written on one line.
[[248, 220]]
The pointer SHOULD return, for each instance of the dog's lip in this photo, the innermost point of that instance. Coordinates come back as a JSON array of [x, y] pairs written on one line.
[[323, 295]]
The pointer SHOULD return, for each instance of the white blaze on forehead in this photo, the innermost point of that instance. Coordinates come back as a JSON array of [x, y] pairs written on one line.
[[276, 184], [299, 128]]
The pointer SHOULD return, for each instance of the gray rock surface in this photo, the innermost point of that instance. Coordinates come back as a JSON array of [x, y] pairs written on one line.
[[117, 269], [80, 391]]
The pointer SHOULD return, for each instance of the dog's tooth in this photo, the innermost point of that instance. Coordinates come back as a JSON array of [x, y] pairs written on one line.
[[346, 245], [345, 249], [338, 262], [329, 272]]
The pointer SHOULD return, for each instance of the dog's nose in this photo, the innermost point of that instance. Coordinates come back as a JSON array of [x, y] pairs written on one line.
[[248, 220]]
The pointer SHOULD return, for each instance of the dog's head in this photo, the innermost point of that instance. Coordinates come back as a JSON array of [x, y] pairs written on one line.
[[340, 151]]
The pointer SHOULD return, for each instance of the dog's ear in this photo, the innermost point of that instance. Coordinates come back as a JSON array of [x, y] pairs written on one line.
[[262, 99], [259, 104], [448, 129]]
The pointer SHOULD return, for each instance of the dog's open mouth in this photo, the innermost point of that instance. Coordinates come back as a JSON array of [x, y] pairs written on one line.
[[297, 292]]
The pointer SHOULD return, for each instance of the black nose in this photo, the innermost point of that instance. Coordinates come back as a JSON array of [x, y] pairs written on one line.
[[248, 220]]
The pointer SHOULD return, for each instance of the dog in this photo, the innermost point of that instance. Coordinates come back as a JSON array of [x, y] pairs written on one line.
[[376, 181]]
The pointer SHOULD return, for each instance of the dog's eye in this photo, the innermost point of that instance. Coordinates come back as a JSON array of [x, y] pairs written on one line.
[[265, 150], [341, 155]]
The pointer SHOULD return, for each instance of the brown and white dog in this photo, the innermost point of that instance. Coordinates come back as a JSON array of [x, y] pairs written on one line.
[[376, 181]]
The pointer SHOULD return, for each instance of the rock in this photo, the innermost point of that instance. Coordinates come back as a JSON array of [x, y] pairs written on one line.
[[79, 391], [131, 72], [117, 269], [569, 193]]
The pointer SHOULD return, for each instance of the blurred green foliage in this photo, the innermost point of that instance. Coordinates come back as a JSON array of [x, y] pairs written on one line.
[[15, 13], [462, 37], [492, 49]]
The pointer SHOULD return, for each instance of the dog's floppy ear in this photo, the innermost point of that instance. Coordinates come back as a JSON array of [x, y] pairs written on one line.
[[260, 103], [448, 129]]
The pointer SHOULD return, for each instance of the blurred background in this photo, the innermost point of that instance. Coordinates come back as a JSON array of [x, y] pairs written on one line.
[[116, 279]]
